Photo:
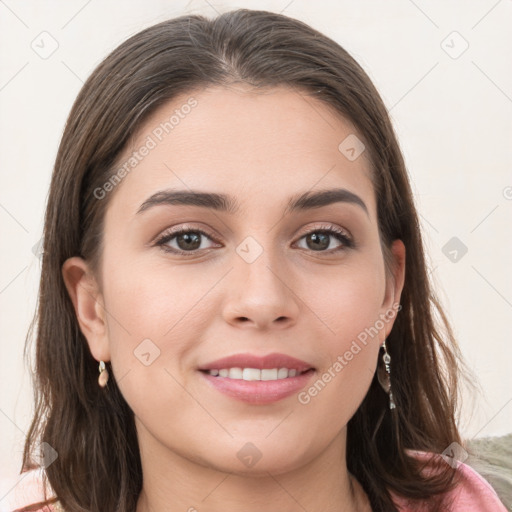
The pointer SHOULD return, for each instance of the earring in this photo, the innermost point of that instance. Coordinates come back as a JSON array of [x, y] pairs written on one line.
[[103, 378], [384, 375]]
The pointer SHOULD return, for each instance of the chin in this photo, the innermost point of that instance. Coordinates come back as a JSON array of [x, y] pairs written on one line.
[[249, 460]]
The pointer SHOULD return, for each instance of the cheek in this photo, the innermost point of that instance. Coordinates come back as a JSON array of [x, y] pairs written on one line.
[[350, 325], [347, 299], [155, 315], [151, 299], [155, 320], [350, 332]]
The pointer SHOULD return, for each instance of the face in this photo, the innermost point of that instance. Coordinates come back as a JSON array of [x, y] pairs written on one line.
[[255, 278]]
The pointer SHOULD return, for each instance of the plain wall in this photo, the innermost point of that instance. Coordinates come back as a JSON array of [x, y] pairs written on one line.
[[452, 113]]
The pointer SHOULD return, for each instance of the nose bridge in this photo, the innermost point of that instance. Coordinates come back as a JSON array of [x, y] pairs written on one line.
[[259, 290], [257, 265]]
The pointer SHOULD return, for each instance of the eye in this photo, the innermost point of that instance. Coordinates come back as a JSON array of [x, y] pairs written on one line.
[[187, 240], [319, 239]]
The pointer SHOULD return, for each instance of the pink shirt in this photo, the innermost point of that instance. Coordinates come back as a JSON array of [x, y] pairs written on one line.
[[474, 494]]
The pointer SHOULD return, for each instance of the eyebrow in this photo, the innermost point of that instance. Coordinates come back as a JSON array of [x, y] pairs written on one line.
[[224, 203]]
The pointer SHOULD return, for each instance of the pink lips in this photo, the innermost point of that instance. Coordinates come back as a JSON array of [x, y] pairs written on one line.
[[259, 362], [259, 392]]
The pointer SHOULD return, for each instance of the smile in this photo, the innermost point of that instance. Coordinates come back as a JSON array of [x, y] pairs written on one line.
[[251, 374]]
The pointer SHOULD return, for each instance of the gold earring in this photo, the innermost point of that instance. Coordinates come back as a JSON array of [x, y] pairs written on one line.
[[103, 378]]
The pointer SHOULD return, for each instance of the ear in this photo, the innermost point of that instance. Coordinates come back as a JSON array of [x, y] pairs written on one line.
[[87, 299], [394, 284]]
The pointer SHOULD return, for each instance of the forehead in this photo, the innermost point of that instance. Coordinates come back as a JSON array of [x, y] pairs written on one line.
[[265, 144]]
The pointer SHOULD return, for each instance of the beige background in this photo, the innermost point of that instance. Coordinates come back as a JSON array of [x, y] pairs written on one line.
[[451, 106]]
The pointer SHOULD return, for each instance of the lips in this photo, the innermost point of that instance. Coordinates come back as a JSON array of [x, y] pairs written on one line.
[[238, 377], [269, 361]]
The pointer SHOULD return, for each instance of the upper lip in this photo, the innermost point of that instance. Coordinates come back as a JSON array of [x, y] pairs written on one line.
[[269, 361]]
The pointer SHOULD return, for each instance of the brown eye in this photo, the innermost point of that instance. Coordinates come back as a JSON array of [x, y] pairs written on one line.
[[319, 240], [188, 241], [184, 241]]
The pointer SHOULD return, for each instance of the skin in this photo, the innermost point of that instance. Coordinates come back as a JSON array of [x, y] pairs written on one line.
[[261, 148]]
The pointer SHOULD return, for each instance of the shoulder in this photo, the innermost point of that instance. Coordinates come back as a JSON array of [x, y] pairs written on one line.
[[473, 493], [26, 491]]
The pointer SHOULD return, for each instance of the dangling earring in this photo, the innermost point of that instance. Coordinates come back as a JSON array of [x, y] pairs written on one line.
[[384, 375], [103, 378]]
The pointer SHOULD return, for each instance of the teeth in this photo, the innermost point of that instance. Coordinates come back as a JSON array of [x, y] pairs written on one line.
[[282, 373], [246, 374], [254, 373], [270, 374]]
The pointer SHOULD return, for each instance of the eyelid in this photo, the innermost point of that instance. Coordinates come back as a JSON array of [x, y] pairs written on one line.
[[172, 232], [327, 227]]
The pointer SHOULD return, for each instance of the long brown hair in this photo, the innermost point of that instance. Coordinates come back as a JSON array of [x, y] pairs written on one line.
[[98, 467]]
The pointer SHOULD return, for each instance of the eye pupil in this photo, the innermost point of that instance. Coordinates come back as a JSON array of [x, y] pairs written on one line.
[[192, 240], [319, 238]]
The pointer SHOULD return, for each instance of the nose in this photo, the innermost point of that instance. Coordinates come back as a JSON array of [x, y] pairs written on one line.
[[260, 294]]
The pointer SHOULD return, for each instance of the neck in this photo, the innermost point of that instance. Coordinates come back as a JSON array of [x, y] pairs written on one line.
[[174, 483]]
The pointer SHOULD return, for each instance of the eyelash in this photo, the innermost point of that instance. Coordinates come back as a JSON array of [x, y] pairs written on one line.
[[340, 235]]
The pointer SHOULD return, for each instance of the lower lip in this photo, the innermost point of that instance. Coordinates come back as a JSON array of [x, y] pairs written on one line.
[[259, 391]]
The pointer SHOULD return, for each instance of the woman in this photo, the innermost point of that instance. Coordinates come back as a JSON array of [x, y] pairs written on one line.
[[231, 239]]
